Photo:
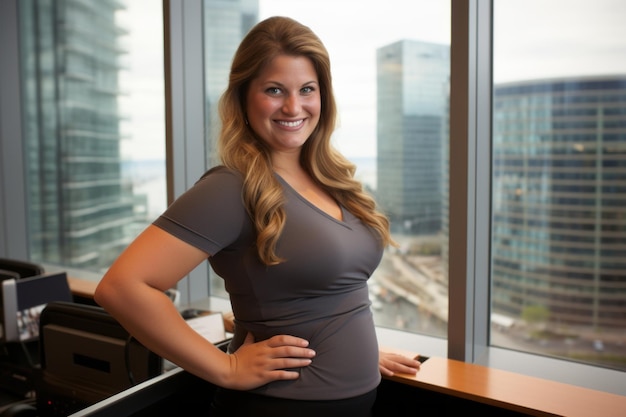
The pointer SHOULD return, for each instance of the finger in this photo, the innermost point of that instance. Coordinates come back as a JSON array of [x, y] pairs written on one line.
[[286, 340], [398, 367], [290, 363], [293, 352], [407, 369], [284, 375], [404, 360]]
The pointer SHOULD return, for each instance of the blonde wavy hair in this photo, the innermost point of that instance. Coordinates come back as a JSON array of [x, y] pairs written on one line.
[[241, 149]]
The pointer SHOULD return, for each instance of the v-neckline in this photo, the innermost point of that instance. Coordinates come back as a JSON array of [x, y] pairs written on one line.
[[310, 204]]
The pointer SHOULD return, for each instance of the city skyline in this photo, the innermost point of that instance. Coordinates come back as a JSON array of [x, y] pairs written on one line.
[[352, 44]]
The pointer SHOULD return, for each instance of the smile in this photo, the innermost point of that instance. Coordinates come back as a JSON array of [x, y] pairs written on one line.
[[294, 123]]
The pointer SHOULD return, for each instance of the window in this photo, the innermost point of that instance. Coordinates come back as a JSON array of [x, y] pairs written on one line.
[[559, 140], [94, 129]]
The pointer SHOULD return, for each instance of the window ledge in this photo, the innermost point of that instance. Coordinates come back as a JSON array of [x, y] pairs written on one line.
[[554, 369]]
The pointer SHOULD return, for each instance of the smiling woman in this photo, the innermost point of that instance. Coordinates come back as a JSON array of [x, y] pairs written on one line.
[[300, 305], [283, 109]]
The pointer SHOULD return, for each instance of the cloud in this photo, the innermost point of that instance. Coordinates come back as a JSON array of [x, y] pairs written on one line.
[[536, 39]]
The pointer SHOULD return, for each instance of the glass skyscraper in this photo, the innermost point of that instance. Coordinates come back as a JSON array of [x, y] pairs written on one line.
[[412, 82], [81, 211], [226, 22], [559, 199]]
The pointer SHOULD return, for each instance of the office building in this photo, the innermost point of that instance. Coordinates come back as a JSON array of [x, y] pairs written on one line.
[[227, 22], [412, 82], [81, 210], [72, 61], [559, 199]]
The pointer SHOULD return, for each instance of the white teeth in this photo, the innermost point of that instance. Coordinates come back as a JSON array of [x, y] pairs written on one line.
[[291, 124]]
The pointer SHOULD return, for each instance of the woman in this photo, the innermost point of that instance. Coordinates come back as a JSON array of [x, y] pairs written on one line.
[[290, 231]]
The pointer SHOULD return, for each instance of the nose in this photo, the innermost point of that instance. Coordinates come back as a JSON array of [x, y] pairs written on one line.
[[292, 105]]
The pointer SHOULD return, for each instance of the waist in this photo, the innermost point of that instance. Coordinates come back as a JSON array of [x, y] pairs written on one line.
[[345, 364], [231, 402]]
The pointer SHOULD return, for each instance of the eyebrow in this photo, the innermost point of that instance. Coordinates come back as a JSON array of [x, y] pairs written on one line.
[[283, 85]]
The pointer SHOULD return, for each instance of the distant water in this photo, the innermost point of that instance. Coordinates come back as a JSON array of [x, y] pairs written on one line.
[[143, 170], [366, 170], [148, 178]]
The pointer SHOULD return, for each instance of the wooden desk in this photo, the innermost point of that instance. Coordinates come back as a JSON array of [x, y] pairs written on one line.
[[82, 288], [512, 391]]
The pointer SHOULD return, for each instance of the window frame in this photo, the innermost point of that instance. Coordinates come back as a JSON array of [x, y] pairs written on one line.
[[470, 190], [184, 111], [13, 236]]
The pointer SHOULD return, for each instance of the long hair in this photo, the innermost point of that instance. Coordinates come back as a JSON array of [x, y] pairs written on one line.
[[240, 149]]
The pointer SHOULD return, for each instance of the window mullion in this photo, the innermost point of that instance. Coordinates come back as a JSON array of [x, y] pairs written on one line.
[[13, 225], [469, 179], [185, 91]]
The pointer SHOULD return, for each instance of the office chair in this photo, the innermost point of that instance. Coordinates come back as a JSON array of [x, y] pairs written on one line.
[[5, 274], [15, 268]]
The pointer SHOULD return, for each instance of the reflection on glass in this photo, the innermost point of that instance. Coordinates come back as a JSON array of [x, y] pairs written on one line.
[[559, 180], [390, 75], [87, 105]]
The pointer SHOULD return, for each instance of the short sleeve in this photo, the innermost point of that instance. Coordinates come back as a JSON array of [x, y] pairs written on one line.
[[210, 215]]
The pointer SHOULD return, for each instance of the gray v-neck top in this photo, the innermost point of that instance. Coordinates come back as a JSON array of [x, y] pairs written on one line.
[[319, 293]]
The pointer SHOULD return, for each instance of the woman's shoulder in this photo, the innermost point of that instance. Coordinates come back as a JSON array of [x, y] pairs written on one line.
[[222, 173], [217, 187]]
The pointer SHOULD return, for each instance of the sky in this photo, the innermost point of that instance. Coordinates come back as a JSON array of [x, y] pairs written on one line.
[[558, 38], [532, 39], [142, 84]]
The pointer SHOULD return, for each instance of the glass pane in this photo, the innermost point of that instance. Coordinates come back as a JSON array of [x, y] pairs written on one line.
[[94, 127], [559, 179], [391, 71]]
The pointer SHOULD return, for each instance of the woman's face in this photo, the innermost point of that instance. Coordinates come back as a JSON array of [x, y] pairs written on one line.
[[283, 103]]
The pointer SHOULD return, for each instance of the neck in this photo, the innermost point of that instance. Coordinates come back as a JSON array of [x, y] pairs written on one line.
[[288, 164]]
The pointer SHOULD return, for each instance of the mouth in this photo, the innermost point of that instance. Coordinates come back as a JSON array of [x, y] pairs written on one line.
[[290, 123]]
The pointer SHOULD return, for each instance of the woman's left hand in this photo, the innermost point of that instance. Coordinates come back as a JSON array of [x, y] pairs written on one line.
[[391, 363]]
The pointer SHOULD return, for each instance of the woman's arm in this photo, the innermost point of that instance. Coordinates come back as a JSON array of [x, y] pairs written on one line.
[[133, 291]]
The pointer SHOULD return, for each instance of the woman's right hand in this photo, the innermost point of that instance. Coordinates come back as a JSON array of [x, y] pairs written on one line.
[[257, 363]]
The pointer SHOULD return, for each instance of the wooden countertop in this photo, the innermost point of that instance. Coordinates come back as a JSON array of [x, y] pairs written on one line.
[[512, 391]]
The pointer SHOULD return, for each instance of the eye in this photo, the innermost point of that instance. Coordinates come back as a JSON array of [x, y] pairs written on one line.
[[274, 91], [307, 90]]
